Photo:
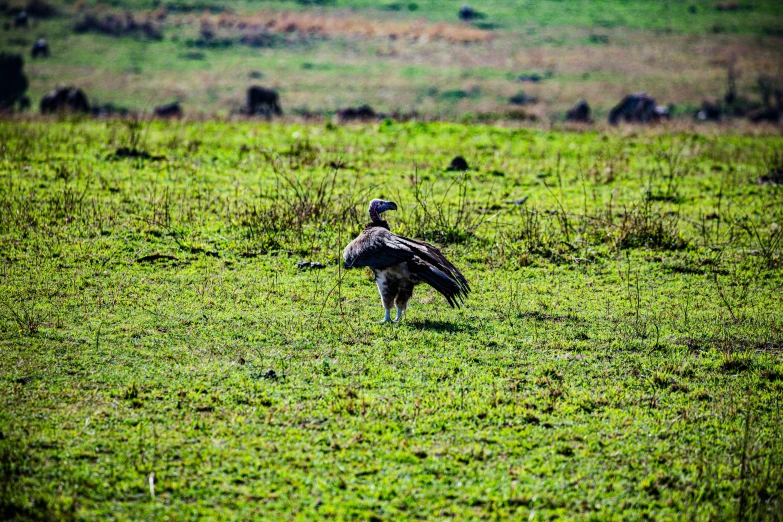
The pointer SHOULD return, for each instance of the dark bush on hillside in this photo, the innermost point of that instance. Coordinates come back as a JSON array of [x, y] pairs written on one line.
[[532, 78], [522, 98], [40, 9], [259, 39], [459, 94], [764, 115], [169, 110], [215, 43], [13, 82], [361, 113]]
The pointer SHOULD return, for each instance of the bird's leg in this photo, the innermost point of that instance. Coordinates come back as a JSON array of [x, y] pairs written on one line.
[[399, 315], [387, 317]]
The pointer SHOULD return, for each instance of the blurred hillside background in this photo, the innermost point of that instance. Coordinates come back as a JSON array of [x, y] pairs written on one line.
[[524, 60]]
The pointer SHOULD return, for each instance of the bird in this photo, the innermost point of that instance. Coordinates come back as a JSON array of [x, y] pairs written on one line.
[[400, 263]]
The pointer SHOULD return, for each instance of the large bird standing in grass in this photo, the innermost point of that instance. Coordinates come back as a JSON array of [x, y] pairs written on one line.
[[400, 263]]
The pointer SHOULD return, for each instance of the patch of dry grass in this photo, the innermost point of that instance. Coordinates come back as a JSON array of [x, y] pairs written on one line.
[[317, 24]]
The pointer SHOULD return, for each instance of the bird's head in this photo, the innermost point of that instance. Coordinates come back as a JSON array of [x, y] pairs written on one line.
[[378, 207]]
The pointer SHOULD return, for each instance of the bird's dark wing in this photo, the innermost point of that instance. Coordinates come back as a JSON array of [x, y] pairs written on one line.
[[376, 248]]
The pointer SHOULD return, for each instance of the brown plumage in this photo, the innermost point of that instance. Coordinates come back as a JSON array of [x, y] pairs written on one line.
[[400, 263]]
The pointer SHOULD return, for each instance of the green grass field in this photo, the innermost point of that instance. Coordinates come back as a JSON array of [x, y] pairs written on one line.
[[162, 355], [408, 57]]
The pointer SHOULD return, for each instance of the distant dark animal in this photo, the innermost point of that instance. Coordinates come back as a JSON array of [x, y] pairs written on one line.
[[638, 108], [13, 82], [21, 20], [522, 98], [65, 99], [40, 48], [458, 164], [532, 78], [169, 110], [261, 100], [579, 112], [400, 263], [710, 111], [467, 13], [764, 115], [361, 113]]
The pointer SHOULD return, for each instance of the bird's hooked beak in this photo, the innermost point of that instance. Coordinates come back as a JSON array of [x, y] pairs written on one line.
[[378, 207]]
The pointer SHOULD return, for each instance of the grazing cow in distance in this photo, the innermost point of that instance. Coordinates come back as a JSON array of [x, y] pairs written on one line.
[[65, 99], [40, 48], [579, 112], [638, 108], [261, 100], [169, 110]]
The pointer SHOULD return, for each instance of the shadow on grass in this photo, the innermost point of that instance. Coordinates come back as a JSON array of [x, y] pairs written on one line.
[[440, 326], [17, 503]]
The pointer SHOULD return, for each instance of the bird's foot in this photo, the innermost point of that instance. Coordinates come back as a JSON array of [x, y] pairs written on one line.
[[386, 318], [399, 316]]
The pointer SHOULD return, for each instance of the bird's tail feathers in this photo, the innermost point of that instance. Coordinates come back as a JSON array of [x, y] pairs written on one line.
[[433, 256], [444, 283]]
